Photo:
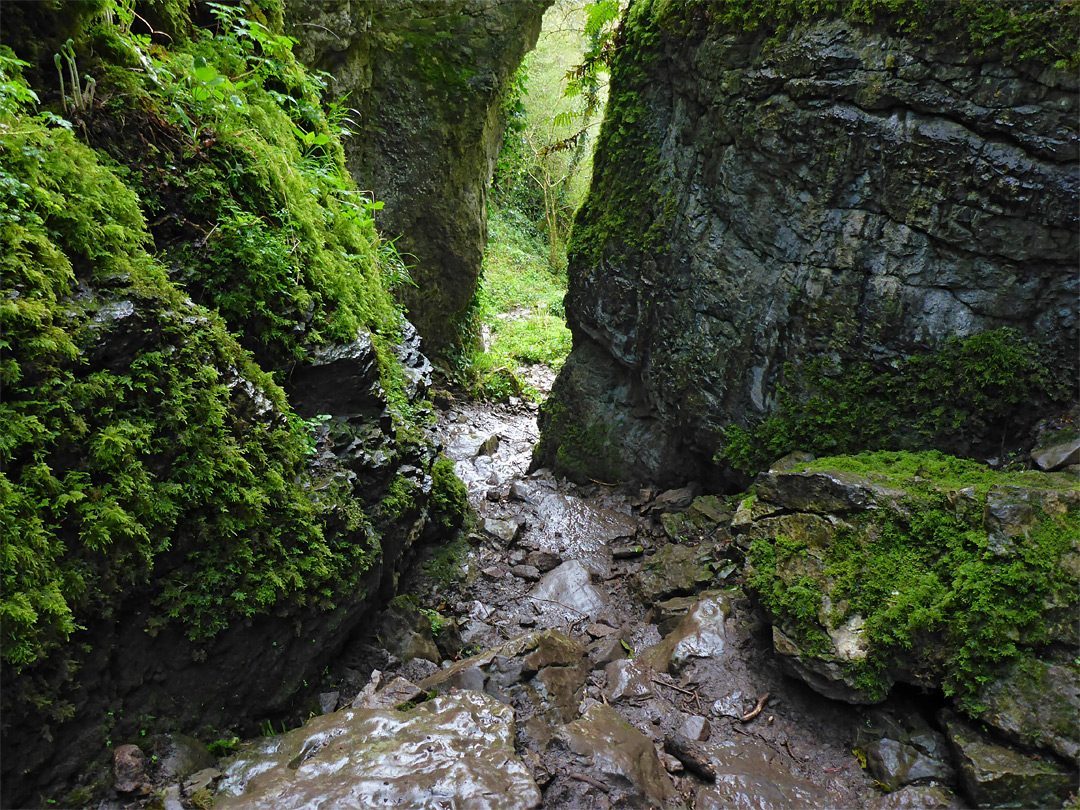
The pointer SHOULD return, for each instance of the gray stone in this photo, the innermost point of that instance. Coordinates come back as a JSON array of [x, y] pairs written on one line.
[[603, 651], [1057, 456], [544, 560], [328, 701], [628, 678], [993, 776], [179, 755], [489, 447], [569, 587], [695, 727], [506, 531], [894, 764], [673, 571], [1036, 703], [526, 572]]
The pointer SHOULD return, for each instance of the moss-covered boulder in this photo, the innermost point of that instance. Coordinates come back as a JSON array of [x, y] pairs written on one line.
[[946, 575], [992, 775]]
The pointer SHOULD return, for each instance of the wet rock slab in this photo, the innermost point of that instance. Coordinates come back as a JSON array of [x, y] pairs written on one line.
[[457, 750], [624, 757], [994, 776], [748, 778]]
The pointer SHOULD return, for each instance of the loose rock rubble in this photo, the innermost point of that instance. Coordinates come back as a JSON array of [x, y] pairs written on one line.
[[594, 651]]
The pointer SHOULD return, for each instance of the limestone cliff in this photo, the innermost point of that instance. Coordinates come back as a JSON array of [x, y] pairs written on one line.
[[427, 81], [834, 235]]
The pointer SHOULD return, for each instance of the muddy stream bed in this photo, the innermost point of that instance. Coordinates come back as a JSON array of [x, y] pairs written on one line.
[[569, 653]]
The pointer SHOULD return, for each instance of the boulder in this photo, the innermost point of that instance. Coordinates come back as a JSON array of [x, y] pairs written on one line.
[[622, 756], [1037, 704], [839, 225], [569, 588], [673, 571], [994, 776]]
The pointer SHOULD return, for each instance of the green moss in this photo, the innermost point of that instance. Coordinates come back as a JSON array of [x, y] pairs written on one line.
[[796, 599], [1044, 32], [965, 390], [449, 498], [175, 469], [936, 599], [445, 565], [106, 469]]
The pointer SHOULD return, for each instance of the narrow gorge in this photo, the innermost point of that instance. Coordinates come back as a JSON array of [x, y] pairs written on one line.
[[797, 523]]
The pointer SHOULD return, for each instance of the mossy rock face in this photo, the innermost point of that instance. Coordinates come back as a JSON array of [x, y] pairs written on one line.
[[791, 242], [427, 80], [185, 538], [944, 574]]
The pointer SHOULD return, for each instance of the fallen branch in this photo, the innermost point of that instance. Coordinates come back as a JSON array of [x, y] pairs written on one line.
[[596, 783], [750, 715], [691, 755], [676, 688]]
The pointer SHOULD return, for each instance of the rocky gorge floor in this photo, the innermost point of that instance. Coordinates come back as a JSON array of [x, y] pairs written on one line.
[[581, 647]]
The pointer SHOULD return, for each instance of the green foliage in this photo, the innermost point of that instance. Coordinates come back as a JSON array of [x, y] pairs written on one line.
[[934, 596], [519, 306], [174, 471], [554, 104], [624, 213], [968, 387], [223, 747]]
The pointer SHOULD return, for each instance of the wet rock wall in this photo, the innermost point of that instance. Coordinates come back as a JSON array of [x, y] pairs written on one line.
[[777, 214]]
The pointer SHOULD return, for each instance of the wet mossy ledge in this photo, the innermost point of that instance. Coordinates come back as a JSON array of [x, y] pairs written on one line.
[[929, 570], [174, 252]]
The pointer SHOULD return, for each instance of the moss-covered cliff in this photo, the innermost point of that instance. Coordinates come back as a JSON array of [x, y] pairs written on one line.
[[213, 457], [831, 226], [426, 81]]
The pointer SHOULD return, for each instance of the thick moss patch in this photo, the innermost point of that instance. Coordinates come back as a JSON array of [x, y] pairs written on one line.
[[942, 597], [966, 389]]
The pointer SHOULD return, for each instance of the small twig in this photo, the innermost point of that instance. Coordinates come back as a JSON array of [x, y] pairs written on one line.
[[596, 783], [602, 483], [790, 750], [676, 688], [750, 715], [560, 604], [324, 28], [152, 30]]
